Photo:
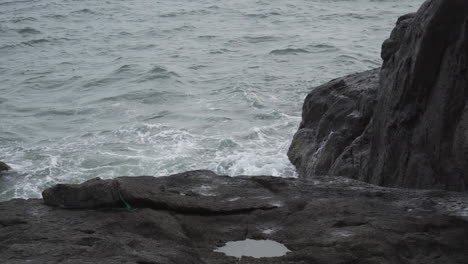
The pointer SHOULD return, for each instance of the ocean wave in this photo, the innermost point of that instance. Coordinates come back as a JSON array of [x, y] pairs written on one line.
[[14, 2], [23, 19], [243, 92], [218, 119], [180, 28], [318, 48], [35, 41], [140, 47], [142, 96], [56, 16], [28, 30], [288, 51], [253, 164], [197, 67], [31, 43], [61, 112], [84, 11], [273, 115], [207, 36], [126, 68], [158, 72], [220, 51], [136, 150], [8, 46], [159, 115], [99, 82], [358, 16], [346, 57], [260, 39], [263, 15], [227, 143], [186, 13]]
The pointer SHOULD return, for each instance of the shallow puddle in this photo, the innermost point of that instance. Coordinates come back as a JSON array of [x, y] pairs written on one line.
[[254, 248]]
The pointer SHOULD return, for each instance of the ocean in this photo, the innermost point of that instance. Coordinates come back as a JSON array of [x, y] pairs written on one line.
[[124, 88]]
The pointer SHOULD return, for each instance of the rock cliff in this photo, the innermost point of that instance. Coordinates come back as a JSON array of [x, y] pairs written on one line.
[[405, 125]]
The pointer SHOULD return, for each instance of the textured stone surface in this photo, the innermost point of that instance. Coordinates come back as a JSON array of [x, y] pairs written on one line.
[[190, 192], [183, 218], [413, 129], [333, 138], [420, 128]]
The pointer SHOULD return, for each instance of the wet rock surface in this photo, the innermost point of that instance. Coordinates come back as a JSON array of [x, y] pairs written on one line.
[[190, 192], [406, 126], [183, 218], [334, 135], [420, 125]]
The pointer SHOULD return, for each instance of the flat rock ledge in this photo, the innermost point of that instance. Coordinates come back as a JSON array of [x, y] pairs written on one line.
[[183, 218]]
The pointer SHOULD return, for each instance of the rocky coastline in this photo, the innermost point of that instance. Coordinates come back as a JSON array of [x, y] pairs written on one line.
[[382, 158], [405, 124], [183, 218]]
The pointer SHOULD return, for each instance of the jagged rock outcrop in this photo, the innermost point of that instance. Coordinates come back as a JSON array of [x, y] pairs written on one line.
[[333, 138], [420, 130], [183, 218], [417, 135]]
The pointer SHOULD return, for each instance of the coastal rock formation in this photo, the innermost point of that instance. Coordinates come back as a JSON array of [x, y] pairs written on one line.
[[192, 192], [416, 133], [402, 125], [334, 135], [4, 167], [420, 130], [183, 218]]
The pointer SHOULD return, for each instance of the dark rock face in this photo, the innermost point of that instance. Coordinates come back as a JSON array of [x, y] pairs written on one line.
[[420, 136], [183, 218], [199, 192], [333, 138], [417, 132], [3, 167]]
